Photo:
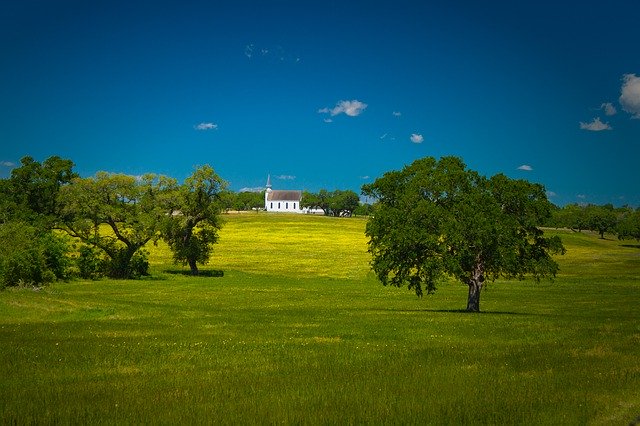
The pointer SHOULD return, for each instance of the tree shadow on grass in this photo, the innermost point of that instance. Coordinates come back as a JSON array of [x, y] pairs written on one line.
[[631, 245], [460, 311], [214, 273]]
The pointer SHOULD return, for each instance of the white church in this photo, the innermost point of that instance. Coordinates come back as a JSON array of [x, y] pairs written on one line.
[[282, 201]]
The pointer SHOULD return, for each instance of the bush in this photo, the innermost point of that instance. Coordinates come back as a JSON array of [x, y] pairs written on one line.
[[28, 257], [55, 249], [139, 265], [90, 264]]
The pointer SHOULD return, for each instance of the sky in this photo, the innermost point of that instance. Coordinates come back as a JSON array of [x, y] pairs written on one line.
[[327, 94]]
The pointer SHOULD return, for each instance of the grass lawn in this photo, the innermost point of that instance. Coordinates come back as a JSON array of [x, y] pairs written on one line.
[[297, 330]]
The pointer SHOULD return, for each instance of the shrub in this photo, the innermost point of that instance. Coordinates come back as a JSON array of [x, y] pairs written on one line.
[[139, 264], [90, 264], [28, 257]]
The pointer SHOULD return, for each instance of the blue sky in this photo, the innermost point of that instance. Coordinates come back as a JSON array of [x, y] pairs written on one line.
[[327, 94]]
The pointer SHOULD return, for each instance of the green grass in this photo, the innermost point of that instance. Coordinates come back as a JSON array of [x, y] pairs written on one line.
[[299, 331]]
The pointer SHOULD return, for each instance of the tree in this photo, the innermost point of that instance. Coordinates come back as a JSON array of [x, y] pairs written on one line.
[[248, 200], [334, 203], [194, 220], [29, 195], [436, 219], [601, 219], [343, 203], [127, 206], [629, 225], [31, 251], [316, 201]]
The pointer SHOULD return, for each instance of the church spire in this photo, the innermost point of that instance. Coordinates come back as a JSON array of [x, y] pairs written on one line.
[[268, 182]]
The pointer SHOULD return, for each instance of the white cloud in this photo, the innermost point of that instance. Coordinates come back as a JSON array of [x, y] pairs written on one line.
[[551, 194], [595, 126], [328, 120], [608, 108], [383, 136], [416, 138], [7, 164], [351, 108], [396, 113], [248, 189], [525, 167], [206, 126], [248, 50], [630, 95], [581, 196], [285, 177], [365, 177]]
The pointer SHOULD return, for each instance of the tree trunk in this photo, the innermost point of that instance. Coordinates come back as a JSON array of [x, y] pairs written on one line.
[[475, 284], [193, 266], [473, 302]]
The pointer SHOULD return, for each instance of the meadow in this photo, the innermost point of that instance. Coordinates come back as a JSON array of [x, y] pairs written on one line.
[[288, 325]]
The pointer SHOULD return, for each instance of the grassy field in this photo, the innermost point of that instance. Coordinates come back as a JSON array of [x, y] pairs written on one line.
[[297, 330]]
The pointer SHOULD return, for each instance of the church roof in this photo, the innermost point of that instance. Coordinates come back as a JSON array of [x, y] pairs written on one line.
[[284, 196]]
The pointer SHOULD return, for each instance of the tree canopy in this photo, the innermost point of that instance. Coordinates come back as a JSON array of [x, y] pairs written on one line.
[[436, 219], [30, 194], [334, 203], [129, 207], [193, 221]]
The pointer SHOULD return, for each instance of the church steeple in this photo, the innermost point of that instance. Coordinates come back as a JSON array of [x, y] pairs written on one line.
[[268, 182]]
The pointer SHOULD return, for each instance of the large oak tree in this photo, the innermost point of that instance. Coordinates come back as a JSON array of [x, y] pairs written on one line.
[[436, 219], [129, 207]]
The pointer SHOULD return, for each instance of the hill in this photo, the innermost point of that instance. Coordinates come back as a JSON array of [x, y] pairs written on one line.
[[290, 326]]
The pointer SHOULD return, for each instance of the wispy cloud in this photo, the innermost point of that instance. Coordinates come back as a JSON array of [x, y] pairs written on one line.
[[328, 120], [608, 108], [255, 189], [206, 126], [272, 54], [416, 138], [383, 136], [351, 108], [525, 167], [396, 113], [630, 95], [595, 126], [285, 177], [551, 194], [7, 164]]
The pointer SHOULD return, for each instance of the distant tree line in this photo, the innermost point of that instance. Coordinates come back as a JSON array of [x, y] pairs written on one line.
[[242, 201], [624, 222], [55, 224], [338, 203]]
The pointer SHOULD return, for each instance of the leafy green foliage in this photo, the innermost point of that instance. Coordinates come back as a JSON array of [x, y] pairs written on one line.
[[629, 224], [245, 200], [191, 226], [30, 257], [334, 203], [131, 208], [437, 218], [29, 195], [604, 219], [90, 263]]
